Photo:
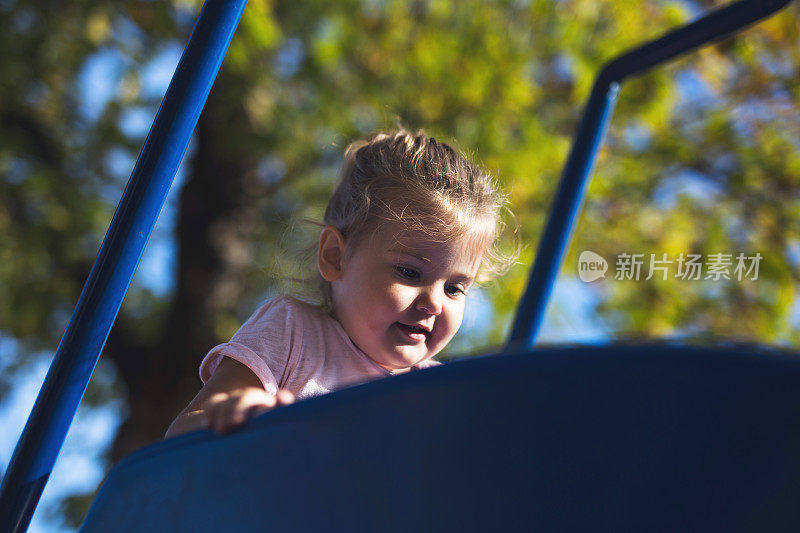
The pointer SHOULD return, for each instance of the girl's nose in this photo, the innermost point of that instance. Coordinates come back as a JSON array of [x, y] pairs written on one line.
[[430, 301]]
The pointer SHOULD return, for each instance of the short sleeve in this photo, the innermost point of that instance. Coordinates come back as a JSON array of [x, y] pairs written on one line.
[[263, 344]]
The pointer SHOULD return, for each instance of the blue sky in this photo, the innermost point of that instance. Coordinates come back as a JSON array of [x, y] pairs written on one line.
[[78, 468]]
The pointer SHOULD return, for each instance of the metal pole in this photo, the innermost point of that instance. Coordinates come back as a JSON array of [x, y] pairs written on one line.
[[567, 204], [101, 298]]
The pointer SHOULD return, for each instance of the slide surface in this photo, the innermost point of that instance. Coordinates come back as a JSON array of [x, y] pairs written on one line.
[[613, 438]]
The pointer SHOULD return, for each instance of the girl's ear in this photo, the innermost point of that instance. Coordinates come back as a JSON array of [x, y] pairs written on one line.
[[330, 253]]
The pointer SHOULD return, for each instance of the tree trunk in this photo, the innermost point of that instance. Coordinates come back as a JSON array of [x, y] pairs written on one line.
[[212, 234]]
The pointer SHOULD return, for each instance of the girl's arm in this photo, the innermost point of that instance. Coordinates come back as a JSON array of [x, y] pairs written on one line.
[[232, 395]]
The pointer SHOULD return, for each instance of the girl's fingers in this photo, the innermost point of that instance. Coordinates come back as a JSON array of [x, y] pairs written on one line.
[[264, 398], [284, 397], [212, 409], [225, 412]]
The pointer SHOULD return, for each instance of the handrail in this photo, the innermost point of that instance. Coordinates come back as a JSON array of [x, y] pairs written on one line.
[[111, 274], [592, 127]]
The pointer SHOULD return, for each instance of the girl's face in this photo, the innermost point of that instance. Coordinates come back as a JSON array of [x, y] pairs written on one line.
[[400, 295]]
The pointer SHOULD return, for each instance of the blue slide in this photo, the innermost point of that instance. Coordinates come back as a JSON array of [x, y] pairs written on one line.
[[637, 438]]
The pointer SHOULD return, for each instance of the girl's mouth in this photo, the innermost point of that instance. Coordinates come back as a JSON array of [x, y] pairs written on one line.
[[414, 333]]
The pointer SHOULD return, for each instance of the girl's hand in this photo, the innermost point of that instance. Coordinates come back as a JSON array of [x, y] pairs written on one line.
[[227, 411], [232, 395]]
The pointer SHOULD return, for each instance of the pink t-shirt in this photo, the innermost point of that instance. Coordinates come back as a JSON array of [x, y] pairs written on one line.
[[291, 345]]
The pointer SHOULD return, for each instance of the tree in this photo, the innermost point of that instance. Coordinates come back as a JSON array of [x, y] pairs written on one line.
[[302, 79]]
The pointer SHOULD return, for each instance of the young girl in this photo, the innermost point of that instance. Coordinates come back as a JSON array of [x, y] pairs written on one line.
[[409, 228]]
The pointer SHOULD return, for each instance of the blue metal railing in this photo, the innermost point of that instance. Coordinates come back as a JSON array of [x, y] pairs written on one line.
[[101, 298], [570, 194]]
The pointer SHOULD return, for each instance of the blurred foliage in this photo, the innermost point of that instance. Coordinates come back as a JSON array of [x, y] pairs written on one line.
[[701, 157], [710, 166]]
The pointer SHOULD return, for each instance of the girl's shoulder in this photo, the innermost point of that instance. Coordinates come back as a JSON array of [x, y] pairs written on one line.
[[287, 303], [295, 305], [290, 311]]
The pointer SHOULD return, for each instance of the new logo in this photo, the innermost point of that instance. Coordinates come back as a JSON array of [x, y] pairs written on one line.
[[591, 266]]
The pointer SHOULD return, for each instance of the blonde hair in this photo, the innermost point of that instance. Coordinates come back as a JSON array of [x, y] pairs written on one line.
[[426, 186]]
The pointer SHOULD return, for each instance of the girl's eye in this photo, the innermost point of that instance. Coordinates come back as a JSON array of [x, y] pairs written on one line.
[[407, 273], [454, 290]]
